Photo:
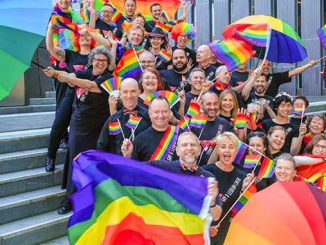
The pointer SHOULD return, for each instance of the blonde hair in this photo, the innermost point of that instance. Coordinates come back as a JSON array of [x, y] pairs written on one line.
[[235, 102], [226, 136]]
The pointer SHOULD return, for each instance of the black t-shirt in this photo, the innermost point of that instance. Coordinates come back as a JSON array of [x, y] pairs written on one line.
[[189, 97], [174, 80], [238, 77], [104, 27], [291, 132], [229, 186], [209, 72], [253, 97], [113, 143], [277, 80], [92, 104], [297, 120], [121, 20], [146, 143]]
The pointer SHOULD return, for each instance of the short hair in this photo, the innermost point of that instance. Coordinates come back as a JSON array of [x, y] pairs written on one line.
[[153, 5], [131, 0], [302, 98], [188, 134], [147, 53], [275, 128], [320, 116], [107, 4], [256, 103], [313, 142], [96, 51], [220, 69], [160, 97], [226, 135], [260, 135], [136, 27], [263, 75], [196, 69], [234, 111], [286, 157], [139, 15], [160, 84], [282, 98], [183, 50]]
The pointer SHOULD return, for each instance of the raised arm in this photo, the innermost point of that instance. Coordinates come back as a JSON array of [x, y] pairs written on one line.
[[301, 69], [57, 52]]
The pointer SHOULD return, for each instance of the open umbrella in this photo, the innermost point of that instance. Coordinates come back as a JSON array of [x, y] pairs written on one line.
[[284, 213], [283, 44], [22, 28]]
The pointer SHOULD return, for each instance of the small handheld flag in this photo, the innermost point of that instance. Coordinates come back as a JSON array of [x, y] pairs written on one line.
[[251, 161], [133, 122], [193, 110], [299, 111], [184, 123], [242, 148], [112, 84], [252, 120], [165, 56], [321, 32], [244, 198], [198, 121], [114, 128], [266, 168]]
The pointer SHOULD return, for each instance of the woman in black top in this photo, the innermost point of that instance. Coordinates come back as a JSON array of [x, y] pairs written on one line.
[[228, 105]]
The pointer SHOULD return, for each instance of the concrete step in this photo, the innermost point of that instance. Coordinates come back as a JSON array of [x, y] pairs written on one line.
[[23, 160], [25, 121], [29, 180], [59, 241], [34, 230], [26, 109], [50, 94], [317, 106], [30, 203], [42, 101], [24, 140]]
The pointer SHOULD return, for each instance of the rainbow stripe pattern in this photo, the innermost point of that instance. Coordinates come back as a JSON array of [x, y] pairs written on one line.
[[241, 121], [251, 161], [299, 111], [67, 40], [114, 128], [170, 96], [321, 32], [162, 28], [133, 122], [198, 121], [119, 200], [255, 34], [128, 66], [193, 110], [126, 25], [321, 182], [164, 147], [184, 123], [252, 120], [232, 52], [164, 16], [266, 168], [165, 56], [112, 84], [251, 190], [183, 28], [242, 148]]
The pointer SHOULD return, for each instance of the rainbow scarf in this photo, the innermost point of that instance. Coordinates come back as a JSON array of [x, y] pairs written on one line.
[[164, 55], [242, 148], [321, 32], [128, 66], [133, 122], [232, 52], [119, 200], [251, 161], [184, 123], [198, 121], [193, 110], [266, 168], [164, 147], [251, 190], [241, 121], [112, 84], [114, 128]]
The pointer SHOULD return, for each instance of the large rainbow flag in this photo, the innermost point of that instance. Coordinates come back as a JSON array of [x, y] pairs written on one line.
[[122, 201], [128, 66]]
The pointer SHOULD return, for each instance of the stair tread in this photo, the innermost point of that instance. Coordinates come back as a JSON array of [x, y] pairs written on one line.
[[26, 174], [59, 241], [26, 153], [30, 223], [26, 197], [24, 133]]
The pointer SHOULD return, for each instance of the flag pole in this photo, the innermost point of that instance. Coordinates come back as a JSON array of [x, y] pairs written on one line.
[[302, 114], [137, 59], [123, 135], [253, 171]]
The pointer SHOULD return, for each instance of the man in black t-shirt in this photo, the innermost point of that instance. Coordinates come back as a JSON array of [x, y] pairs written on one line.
[[239, 75], [156, 11], [203, 56], [196, 80]]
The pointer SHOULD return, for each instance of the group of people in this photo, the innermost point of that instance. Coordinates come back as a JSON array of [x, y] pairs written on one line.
[[99, 120]]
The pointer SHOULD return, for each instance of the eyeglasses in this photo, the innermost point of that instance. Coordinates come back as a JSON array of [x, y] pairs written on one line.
[[100, 60]]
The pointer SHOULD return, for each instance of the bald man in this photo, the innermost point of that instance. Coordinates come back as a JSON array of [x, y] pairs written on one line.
[[111, 141], [203, 56]]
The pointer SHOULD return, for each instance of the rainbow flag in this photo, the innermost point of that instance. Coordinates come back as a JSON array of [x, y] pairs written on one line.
[[184, 123], [242, 149], [232, 52], [85, 15], [255, 34], [161, 27], [120, 200], [114, 128], [241, 121], [251, 161], [299, 111], [128, 66], [252, 120], [321, 182], [198, 121], [164, 147], [321, 32], [171, 97], [133, 122], [112, 84], [164, 55], [164, 17], [67, 40], [307, 138], [266, 168], [245, 196], [126, 25], [193, 110]]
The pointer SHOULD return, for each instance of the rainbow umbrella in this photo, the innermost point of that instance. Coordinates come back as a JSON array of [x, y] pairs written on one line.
[[321, 32], [22, 28], [282, 43], [284, 213]]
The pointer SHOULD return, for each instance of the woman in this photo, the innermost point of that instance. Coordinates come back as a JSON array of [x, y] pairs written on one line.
[[276, 139], [299, 102], [316, 126], [294, 135], [134, 37], [157, 44], [89, 111], [228, 105], [255, 108], [230, 179]]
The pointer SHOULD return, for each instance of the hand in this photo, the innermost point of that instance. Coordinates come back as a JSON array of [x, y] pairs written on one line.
[[190, 64], [64, 78], [302, 129], [206, 86], [83, 31], [113, 101], [241, 120], [247, 181], [111, 39], [257, 72], [127, 148], [182, 96], [213, 230], [168, 48], [264, 102], [49, 71], [212, 190], [312, 63]]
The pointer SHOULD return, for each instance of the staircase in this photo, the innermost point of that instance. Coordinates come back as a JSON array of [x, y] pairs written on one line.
[[29, 196]]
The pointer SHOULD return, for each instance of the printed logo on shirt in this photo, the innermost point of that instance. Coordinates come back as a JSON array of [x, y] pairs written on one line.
[[288, 131], [78, 67], [209, 76]]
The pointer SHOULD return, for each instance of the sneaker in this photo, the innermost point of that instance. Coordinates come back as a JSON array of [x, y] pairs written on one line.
[[49, 165]]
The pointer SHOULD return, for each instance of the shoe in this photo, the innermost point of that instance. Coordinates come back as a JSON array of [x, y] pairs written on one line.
[[63, 145], [49, 165], [64, 208]]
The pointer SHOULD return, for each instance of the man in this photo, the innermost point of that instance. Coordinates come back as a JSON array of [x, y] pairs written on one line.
[[129, 93], [203, 57], [196, 80], [259, 93], [239, 75], [175, 79], [188, 150], [156, 11], [150, 142], [277, 79], [147, 59], [130, 7], [181, 43]]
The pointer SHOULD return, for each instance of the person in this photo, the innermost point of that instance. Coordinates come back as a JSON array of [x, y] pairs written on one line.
[[203, 56], [230, 179], [196, 80], [299, 102], [188, 150], [146, 60], [258, 143], [255, 108], [89, 111], [259, 85], [294, 135], [129, 93], [276, 140], [317, 146], [277, 79], [157, 44], [156, 11], [175, 79], [134, 37], [130, 7], [239, 75], [316, 126], [228, 105], [149, 143]]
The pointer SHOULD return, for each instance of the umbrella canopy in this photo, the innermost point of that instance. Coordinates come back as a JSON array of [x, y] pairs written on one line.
[[321, 32], [283, 43], [22, 28], [284, 213]]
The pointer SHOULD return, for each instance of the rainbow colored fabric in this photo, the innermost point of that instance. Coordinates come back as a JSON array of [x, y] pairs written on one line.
[[193, 110], [133, 122], [165, 56], [298, 111], [232, 52], [266, 168], [241, 121], [321, 182], [119, 201], [245, 196], [255, 34], [128, 66], [198, 121], [242, 148], [251, 161], [321, 32], [114, 128], [252, 120], [170, 96], [112, 84], [184, 123]]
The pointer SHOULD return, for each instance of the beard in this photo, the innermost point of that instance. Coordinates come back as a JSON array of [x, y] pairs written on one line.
[[183, 67]]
